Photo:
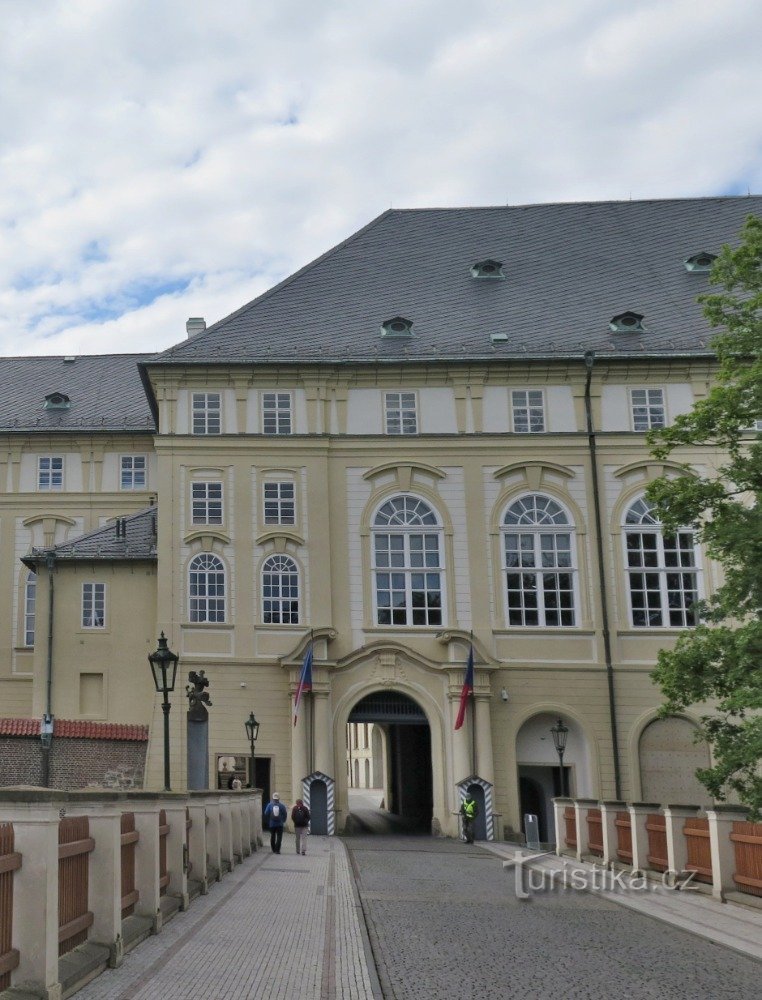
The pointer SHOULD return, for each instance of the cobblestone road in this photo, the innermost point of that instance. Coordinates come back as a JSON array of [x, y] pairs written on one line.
[[444, 922]]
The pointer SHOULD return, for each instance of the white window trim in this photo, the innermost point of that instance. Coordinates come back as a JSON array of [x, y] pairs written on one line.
[[83, 625], [30, 582], [279, 483], [225, 595], [206, 500], [528, 407], [400, 409], [278, 411], [299, 589], [207, 410], [132, 459], [647, 388], [51, 488]]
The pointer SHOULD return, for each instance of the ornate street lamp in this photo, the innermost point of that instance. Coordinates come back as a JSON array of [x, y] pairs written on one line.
[[252, 731], [164, 669], [560, 733]]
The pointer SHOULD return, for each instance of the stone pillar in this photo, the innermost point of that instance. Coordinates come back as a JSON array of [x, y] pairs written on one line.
[[176, 855], [461, 745], [559, 807], [323, 737], [147, 861], [608, 825], [197, 843], [580, 821], [105, 900], [35, 894], [227, 856], [721, 820], [485, 767], [638, 814], [236, 827], [245, 815], [677, 844], [255, 801], [213, 838]]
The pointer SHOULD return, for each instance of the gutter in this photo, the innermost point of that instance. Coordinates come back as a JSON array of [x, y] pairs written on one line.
[[589, 359], [46, 731]]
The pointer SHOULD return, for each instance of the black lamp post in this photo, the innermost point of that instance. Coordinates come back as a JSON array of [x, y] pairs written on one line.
[[252, 731], [164, 669], [560, 733]]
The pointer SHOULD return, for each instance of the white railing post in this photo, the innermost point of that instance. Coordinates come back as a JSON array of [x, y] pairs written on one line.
[[227, 856], [197, 841], [609, 831], [638, 817], [174, 809], [580, 823], [721, 820], [677, 842], [245, 814], [213, 838], [105, 894], [256, 819], [234, 801], [559, 807], [147, 859]]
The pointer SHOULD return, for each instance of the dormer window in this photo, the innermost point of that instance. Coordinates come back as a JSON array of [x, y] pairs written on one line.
[[488, 269], [627, 322], [57, 401], [701, 262], [398, 326]]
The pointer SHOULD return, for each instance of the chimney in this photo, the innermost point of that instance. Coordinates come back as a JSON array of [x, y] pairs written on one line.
[[196, 324]]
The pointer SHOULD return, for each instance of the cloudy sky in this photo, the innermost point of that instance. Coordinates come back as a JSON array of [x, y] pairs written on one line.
[[161, 159]]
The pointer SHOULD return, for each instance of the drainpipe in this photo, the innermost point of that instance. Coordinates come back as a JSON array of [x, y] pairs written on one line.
[[589, 359], [46, 732]]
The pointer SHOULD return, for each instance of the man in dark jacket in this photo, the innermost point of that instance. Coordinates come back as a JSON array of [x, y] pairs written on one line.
[[275, 814], [300, 815]]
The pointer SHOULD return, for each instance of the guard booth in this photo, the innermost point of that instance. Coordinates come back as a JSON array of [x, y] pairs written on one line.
[[318, 796], [481, 792]]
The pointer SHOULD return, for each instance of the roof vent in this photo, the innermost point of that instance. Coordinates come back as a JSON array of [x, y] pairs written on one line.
[[498, 338], [490, 269], [701, 262], [69, 359], [57, 401], [397, 326], [627, 322], [195, 325]]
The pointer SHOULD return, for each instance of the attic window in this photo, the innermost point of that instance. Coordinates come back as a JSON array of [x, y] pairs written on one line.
[[57, 401], [488, 269], [398, 326], [627, 322], [701, 262]]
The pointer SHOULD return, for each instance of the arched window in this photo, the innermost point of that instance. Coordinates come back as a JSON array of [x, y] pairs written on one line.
[[30, 601], [407, 563], [662, 572], [280, 591], [538, 562], [206, 588]]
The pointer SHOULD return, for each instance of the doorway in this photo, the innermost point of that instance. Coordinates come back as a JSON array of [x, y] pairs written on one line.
[[538, 786]]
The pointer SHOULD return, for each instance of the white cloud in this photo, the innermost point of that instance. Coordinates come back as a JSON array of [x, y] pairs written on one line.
[[161, 159]]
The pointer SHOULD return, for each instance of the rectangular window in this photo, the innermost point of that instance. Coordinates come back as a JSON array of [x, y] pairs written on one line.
[[50, 470], [93, 605], [207, 413], [133, 472], [280, 503], [528, 409], [647, 409], [206, 503], [400, 411], [276, 412], [30, 602]]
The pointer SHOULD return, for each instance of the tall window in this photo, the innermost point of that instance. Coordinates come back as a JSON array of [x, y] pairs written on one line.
[[93, 605], [206, 589], [400, 412], [662, 571], [207, 413], [280, 504], [647, 409], [30, 601], [538, 555], [280, 591], [528, 411], [133, 472], [276, 412], [50, 472], [407, 563], [206, 503]]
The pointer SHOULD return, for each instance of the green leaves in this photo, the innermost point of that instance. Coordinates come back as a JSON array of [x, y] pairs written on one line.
[[719, 664]]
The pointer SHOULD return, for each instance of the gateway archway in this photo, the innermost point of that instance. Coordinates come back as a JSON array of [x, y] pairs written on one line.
[[389, 767]]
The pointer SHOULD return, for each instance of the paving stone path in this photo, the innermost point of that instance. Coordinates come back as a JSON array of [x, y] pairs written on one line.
[[444, 922]]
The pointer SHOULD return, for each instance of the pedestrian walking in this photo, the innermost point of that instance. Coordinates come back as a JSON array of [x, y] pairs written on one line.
[[469, 810], [300, 816], [275, 814]]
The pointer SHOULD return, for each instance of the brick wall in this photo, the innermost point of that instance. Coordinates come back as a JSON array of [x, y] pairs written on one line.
[[74, 763]]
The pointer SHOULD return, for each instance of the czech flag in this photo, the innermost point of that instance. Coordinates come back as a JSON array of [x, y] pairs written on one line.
[[305, 680], [467, 689]]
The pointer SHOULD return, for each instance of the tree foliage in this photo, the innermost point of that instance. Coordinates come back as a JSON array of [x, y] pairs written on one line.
[[720, 661]]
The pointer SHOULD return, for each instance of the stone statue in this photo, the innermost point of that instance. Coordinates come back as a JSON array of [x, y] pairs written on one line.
[[198, 697]]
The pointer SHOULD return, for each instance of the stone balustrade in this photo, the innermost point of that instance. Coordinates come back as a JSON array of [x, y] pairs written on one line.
[[120, 872], [717, 846]]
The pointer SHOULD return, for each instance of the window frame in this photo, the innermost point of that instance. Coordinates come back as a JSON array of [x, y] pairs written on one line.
[[52, 486], [204, 613], [528, 407], [279, 501], [408, 570], [279, 597], [399, 411], [647, 406], [30, 599], [279, 413], [206, 419], [538, 530], [95, 588], [204, 504], [132, 472]]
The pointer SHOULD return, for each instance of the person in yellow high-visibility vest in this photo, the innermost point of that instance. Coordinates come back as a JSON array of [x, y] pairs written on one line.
[[469, 811]]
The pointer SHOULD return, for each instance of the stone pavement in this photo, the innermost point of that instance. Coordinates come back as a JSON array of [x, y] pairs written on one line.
[[279, 926], [733, 925]]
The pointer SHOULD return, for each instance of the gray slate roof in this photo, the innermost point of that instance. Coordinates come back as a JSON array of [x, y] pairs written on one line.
[[569, 269], [139, 542], [105, 391]]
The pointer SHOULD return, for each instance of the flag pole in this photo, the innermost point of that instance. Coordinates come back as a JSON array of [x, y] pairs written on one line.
[[312, 712], [473, 718]]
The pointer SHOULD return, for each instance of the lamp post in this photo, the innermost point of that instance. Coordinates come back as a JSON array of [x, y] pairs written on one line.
[[164, 669], [252, 731], [560, 733]]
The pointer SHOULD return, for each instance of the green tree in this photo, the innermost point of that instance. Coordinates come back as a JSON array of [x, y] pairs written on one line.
[[720, 661]]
